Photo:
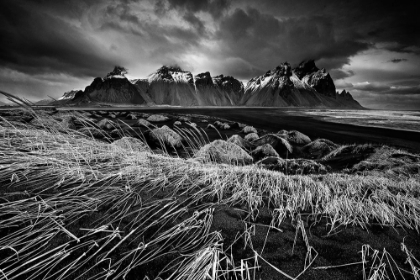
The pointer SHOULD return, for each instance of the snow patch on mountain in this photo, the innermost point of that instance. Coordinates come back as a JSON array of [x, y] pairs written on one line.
[[69, 95], [305, 85]]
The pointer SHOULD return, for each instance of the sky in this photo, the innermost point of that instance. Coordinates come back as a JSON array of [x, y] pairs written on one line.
[[370, 48]]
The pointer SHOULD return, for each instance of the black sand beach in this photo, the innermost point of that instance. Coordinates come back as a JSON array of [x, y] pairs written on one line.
[[315, 127]]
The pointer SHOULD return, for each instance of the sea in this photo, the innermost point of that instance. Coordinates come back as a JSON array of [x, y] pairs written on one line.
[[398, 120]]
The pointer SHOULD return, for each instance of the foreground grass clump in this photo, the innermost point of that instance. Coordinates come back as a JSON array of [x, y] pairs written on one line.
[[220, 151], [74, 207]]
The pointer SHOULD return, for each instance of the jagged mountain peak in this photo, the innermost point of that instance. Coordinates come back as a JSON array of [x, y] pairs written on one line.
[[345, 95], [69, 95], [306, 85], [119, 72], [284, 69], [170, 74], [228, 83], [203, 79], [222, 78], [279, 77], [305, 67], [167, 69], [204, 74]]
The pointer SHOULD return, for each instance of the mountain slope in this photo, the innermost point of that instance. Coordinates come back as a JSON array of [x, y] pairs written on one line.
[[112, 89], [172, 86], [304, 86], [217, 91]]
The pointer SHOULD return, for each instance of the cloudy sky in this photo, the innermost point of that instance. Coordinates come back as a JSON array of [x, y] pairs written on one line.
[[371, 48]]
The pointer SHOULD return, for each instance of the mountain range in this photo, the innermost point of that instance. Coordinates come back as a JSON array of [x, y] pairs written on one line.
[[304, 86]]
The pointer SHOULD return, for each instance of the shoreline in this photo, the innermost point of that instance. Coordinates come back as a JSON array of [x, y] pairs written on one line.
[[275, 119]]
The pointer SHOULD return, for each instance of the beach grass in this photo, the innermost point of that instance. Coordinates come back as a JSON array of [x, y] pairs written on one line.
[[73, 206]]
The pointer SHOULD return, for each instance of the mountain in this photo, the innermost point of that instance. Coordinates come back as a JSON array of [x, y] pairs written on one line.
[[172, 86], [46, 101], [69, 95], [318, 79], [114, 88], [226, 91], [304, 86], [110, 90]]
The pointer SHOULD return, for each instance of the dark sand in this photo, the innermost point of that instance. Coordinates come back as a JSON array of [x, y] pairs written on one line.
[[273, 120]]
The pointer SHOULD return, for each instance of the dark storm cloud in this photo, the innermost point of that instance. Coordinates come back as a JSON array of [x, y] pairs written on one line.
[[379, 88], [263, 37], [388, 101], [119, 16], [214, 7], [337, 74], [371, 87], [265, 41], [375, 95], [397, 60], [35, 42], [84, 38], [195, 22], [373, 21], [122, 11]]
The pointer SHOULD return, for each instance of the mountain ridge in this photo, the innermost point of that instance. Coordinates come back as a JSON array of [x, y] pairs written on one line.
[[303, 86]]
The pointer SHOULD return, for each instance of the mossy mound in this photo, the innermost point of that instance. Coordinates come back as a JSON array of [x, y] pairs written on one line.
[[220, 151]]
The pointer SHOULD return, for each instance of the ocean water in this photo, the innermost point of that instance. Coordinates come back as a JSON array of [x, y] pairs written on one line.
[[399, 120]]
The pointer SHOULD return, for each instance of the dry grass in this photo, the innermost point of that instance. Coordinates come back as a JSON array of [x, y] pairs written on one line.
[[319, 148], [298, 138], [391, 162], [73, 207], [166, 136], [220, 151], [249, 129], [349, 149]]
